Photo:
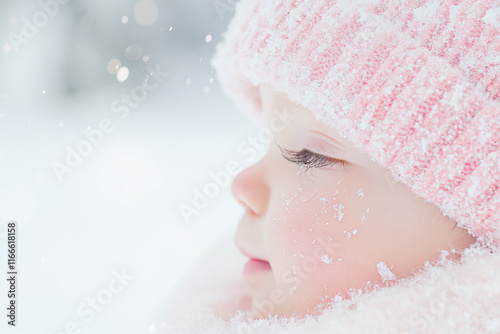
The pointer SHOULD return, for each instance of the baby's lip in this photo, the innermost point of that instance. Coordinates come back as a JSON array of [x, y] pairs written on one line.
[[242, 251], [255, 264]]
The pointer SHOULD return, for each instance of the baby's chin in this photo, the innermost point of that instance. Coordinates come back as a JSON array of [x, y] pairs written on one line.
[[296, 308], [274, 301], [270, 300], [262, 307]]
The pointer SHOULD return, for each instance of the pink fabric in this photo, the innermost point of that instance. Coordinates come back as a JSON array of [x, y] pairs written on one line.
[[414, 84], [447, 298]]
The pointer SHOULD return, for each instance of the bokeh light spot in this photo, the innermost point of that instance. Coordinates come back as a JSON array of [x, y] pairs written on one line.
[[122, 74], [146, 12], [113, 65], [134, 52]]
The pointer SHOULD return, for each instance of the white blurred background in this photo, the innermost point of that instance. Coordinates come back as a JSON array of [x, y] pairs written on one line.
[[63, 66]]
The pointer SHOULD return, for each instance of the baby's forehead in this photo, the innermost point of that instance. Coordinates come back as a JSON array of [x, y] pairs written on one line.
[[269, 94], [274, 102]]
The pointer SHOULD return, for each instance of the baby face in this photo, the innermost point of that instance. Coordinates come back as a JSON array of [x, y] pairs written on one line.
[[322, 218]]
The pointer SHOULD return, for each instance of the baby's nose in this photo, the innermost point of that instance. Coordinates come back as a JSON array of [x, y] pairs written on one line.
[[250, 190]]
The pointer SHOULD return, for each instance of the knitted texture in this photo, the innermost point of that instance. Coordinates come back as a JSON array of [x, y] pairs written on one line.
[[414, 84]]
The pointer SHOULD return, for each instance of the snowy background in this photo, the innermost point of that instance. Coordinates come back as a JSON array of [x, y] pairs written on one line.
[[117, 210]]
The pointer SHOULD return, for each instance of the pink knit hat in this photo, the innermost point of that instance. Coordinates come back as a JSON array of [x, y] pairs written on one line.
[[414, 84]]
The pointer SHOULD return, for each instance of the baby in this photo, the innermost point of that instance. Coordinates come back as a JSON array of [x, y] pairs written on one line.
[[385, 141], [322, 218]]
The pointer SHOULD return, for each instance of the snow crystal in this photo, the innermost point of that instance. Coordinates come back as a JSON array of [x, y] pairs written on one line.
[[293, 19], [453, 13], [459, 90], [340, 214], [473, 189], [493, 17], [354, 232], [385, 272], [360, 193], [425, 13], [326, 259]]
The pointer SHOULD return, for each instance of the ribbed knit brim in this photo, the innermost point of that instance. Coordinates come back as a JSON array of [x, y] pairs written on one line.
[[414, 84]]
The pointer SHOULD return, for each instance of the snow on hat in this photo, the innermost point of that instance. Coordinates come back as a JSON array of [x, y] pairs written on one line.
[[414, 84]]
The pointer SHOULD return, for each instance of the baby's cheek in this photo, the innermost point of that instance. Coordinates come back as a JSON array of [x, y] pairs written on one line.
[[297, 218], [307, 245], [302, 219]]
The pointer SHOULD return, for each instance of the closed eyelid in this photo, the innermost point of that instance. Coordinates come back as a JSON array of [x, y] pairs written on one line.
[[324, 146]]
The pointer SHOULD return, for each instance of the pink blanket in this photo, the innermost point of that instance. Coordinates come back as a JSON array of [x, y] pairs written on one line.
[[446, 298]]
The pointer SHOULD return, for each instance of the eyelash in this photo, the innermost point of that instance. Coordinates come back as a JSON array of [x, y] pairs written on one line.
[[308, 159]]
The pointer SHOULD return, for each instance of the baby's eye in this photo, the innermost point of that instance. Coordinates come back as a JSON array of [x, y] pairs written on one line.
[[308, 159]]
